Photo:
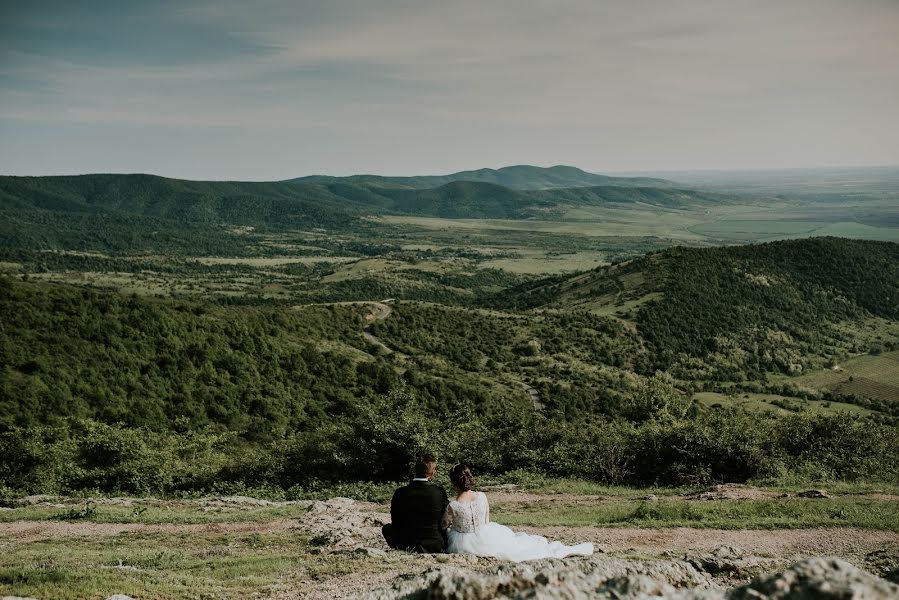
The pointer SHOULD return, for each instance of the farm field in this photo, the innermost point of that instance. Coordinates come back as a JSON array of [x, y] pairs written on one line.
[[875, 376]]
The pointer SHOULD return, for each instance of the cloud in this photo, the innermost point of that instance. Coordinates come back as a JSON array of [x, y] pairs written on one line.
[[643, 84]]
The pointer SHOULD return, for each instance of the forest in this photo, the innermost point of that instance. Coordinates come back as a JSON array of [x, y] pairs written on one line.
[[127, 393], [174, 337]]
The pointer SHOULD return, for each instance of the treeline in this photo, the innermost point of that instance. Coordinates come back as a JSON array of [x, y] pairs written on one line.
[[77, 455]]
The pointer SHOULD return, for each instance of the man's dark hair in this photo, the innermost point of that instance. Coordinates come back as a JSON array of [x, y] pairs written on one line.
[[425, 464]]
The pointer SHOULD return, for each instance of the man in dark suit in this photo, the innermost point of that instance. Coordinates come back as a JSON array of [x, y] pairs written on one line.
[[415, 512]]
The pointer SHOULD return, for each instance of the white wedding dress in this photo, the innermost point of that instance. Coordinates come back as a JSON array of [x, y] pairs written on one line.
[[471, 532]]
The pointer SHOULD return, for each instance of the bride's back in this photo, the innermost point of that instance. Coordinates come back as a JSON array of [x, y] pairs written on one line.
[[469, 512]]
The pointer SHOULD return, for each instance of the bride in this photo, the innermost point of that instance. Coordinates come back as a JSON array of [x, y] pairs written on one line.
[[472, 532]]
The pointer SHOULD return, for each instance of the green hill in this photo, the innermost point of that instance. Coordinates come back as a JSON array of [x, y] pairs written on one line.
[[739, 312], [520, 177], [132, 212]]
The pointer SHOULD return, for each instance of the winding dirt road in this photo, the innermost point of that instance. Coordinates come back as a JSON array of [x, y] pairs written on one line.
[[381, 310]]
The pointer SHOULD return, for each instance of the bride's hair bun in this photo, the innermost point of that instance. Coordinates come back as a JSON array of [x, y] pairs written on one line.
[[461, 477]]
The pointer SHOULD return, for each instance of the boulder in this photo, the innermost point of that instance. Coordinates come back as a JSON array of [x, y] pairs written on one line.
[[727, 559], [553, 578], [819, 578], [317, 507]]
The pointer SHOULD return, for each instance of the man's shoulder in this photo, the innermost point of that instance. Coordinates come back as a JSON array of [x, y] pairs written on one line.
[[401, 491]]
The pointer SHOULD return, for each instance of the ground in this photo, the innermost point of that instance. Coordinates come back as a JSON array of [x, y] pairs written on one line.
[[237, 547]]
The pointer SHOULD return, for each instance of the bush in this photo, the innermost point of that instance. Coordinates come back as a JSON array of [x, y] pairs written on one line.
[[375, 446]]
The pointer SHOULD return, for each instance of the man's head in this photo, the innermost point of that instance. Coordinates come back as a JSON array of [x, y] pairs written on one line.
[[425, 465]]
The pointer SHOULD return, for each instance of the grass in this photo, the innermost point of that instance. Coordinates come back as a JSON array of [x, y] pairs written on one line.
[[153, 513], [206, 558], [875, 376], [547, 262], [616, 223], [157, 565], [776, 513], [752, 402]]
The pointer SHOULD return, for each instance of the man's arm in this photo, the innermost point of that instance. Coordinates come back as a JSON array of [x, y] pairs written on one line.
[[396, 510]]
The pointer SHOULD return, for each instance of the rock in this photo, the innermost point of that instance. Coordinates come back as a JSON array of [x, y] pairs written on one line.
[[17, 598], [727, 559], [120, 597], [730, 491], [243, 501], [363, 551], [650, 498], [32, 500], [819, 578], [553, 578], [813, 494], [318, 506], [340, 502], [885, 563]]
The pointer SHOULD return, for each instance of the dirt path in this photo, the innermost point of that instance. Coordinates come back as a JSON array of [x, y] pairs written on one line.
[[789, 543], [381, 311], [534, 395], [783, 544]]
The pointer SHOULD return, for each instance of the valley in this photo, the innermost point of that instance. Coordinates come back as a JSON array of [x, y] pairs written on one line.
[[623, 313]]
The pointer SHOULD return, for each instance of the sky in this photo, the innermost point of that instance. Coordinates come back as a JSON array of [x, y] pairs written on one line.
[[267, 90]]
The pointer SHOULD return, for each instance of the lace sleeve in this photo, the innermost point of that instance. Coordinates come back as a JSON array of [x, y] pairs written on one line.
[[447, 519], [486, 508]]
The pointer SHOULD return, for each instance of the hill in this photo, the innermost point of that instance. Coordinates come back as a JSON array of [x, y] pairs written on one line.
[[520, 177], [145, 212], [737, 312], [156, 214]]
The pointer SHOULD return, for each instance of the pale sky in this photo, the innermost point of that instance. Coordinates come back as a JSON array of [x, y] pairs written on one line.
[[227, 89]]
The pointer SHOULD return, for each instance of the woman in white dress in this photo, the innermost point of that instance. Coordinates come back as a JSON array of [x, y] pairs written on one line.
[[470, 530]]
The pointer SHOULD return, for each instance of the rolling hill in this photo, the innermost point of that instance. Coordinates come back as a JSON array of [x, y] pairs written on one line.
[[727, 313], [520, 177], [115, 212]]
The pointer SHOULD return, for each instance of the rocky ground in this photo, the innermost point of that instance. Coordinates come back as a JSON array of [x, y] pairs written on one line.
[[701, 563], [629, 563]]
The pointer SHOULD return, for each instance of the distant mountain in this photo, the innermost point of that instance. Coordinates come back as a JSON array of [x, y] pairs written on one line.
[[722, 313], [519, 177]]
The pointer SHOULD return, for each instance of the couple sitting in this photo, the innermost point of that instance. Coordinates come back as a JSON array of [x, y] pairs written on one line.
[[425, 520]]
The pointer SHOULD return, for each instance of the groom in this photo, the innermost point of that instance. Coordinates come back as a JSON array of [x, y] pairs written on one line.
[[416, 510]]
